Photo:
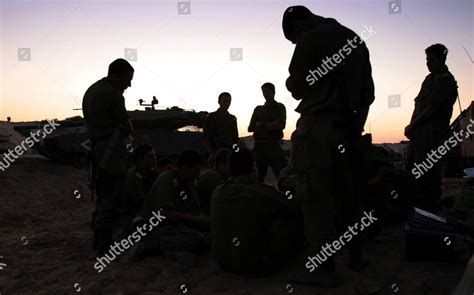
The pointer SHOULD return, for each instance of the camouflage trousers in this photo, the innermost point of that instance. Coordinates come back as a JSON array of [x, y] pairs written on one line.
[[322, 156], [425, 139], [110, 187]]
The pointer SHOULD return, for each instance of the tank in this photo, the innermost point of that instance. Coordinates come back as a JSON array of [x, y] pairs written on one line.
[[169, 131]]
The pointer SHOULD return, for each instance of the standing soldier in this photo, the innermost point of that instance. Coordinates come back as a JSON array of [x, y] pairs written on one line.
[[267, 124], [220, 129], [109, 127], [430, 121], [333, 112]]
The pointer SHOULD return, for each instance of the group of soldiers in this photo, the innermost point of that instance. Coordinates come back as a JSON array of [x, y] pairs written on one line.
[[253, 228]]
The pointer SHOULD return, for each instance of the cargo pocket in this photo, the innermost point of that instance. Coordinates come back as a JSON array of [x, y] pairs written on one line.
[[300, 155], [117, 166]]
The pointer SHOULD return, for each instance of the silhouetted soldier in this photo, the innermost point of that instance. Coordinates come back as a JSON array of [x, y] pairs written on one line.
[[334, 104], [254, 228], [140, 178], [212, 178], [108, 127], [430, 122], [173, 193], [220, 129], [267, 124]]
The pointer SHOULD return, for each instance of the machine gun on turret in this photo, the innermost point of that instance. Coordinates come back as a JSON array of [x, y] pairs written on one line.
[[149, 107]]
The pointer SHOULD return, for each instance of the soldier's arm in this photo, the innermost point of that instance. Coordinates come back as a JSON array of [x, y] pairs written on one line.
[[118, 107], [425, 115], [253, 121], [255, 125], [300, 82], [160, 196], [274, 125], [368, 93], [442, 90], [207, 133], [419, 93], [278, 124], [235, 130]]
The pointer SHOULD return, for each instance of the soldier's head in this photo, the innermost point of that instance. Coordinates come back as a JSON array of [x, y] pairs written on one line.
[[121, 73], [297, 20], [268, 91], [224, 100], [436, 57], [145, 156], [242, 163], [189, 165], [220, 163]]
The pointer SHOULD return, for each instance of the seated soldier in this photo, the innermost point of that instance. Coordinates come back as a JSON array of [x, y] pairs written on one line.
[[140, 178], [211, 179], [254, 231], [173, 192]]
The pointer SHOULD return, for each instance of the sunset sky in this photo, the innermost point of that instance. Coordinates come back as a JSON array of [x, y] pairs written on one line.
[[185, 59]]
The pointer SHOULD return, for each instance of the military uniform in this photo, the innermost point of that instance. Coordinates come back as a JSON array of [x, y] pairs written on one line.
[[205, 186], [167, 193], [220, 128], [323, 144], [138, 186], [253, 228], [105, 117], [267, 148], [440, 91]]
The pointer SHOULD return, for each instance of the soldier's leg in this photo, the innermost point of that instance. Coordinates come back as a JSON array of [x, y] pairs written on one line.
[[430, 184], [278, 160], [261, 161], [108, 211], [425, 141], [110, 196], [312, 157], [348, 203]]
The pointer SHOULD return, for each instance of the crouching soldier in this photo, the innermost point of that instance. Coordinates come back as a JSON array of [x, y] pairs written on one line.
[[254, 231], [183, 231]]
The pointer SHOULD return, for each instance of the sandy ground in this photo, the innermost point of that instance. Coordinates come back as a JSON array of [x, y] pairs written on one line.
[[45, 243]]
